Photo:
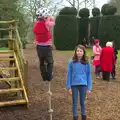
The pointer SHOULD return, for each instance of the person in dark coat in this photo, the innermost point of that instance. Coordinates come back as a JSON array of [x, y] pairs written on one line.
[[113, 73], [107, 59]]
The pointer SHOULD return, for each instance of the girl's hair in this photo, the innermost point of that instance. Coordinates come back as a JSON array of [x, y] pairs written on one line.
[[84, 59]]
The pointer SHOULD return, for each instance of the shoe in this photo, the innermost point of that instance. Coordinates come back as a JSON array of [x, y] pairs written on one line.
[[83, 117], [75, 117]]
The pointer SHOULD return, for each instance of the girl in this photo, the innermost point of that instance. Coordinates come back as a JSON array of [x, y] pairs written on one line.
[[43, 41], [79, 80], [96, 61]]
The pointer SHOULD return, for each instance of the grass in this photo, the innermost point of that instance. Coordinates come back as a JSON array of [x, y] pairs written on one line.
[[88, 50], [3, 48]]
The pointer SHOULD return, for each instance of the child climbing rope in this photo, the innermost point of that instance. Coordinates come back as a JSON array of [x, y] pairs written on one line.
[[79, 80], [43, 40]]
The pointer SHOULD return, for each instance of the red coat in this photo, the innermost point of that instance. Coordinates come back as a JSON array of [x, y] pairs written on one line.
[[42, 34], [107, 59]]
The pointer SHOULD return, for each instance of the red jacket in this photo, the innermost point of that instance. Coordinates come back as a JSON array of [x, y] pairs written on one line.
[[42, 34], [107, 59]]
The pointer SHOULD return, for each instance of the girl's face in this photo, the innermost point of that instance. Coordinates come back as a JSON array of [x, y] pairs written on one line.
[[79, 52], [97, 44]]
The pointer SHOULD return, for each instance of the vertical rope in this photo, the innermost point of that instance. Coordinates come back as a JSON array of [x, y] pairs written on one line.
[[50, 94]]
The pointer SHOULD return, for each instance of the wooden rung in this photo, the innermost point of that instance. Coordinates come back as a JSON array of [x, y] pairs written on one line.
[[10, 79], [5, 29], [14, 102], [9, 68], [6, 59], [2, 91], [6, 51], [5, 39]]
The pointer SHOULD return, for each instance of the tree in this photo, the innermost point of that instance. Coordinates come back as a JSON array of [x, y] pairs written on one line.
[[9, 10]]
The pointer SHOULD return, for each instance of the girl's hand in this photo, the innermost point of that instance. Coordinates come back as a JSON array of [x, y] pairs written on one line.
[[89, 92], [70, 91]]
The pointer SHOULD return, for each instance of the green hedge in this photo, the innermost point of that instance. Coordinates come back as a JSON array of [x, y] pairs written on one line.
[[109, 29], [95, 12], [84, 13], [83, 29], [68, 11], [94, 26], [65, 32], [108, 9], [83, 22]]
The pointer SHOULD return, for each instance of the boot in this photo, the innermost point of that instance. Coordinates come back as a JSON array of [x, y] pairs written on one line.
[[83, 117], [75, 117]]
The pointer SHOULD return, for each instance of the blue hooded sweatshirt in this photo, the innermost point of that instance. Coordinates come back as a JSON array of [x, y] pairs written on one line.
[[79, 74]]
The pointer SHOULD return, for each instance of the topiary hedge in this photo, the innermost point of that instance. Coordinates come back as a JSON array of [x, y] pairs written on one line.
[[83, 22], [68, 11], [94, 23], [108, 9], [109, 29], [66, 30]]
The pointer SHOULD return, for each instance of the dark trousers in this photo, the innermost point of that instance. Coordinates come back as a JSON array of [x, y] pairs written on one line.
[[106, 75], [113, 73], [46, 61]]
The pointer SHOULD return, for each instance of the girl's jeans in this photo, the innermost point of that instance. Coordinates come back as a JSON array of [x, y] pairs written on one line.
[[81, 91]]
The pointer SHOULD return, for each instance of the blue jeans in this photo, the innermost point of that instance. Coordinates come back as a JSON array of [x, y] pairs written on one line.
[[81, 89]]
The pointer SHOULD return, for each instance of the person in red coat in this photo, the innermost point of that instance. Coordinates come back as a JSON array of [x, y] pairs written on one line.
[[107, 60]]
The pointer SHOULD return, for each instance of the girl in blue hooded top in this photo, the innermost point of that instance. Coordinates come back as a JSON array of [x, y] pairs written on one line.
[[79, 80]]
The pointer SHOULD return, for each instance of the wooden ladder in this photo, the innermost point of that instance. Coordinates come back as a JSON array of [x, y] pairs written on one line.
[[11, 66]]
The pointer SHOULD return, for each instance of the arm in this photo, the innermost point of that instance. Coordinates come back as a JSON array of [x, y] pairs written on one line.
[[50, 22], [69, 75], [95, 52], [89, 77]]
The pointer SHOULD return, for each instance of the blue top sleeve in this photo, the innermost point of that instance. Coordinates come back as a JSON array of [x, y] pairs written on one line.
[[69, 75], [89, 77]]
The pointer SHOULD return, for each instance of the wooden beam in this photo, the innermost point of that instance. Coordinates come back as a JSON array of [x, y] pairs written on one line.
[[14, 102], [4, 22], [2, 91], [6, 39], [9, 68], [10, 79], [6, 59], [6, 29]]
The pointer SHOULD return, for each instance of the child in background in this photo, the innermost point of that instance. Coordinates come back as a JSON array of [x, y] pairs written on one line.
[[43, 40], [96, 61], [79, 80]]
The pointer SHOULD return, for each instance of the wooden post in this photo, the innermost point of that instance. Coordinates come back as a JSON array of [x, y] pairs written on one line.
[[26, 76]]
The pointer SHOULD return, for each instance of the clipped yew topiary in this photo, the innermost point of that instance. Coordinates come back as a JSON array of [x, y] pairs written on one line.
[[66, 29]]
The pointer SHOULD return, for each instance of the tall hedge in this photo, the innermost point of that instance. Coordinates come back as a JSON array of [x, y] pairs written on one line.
[[110, 29], [83, 22], [66, 29], [94, 23]]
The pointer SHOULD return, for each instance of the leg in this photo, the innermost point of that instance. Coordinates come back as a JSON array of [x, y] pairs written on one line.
[[74, 101], [107, 76], [103, 75], [82, 92], [49, 60], [40, 53]]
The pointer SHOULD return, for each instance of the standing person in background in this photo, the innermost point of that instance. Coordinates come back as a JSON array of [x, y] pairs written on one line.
[[96, 61], [79, 80], [113, 73], [107, 59], [43, 40]]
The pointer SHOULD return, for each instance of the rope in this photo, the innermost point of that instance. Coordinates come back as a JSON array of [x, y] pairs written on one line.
[[50, 94]]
